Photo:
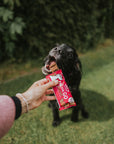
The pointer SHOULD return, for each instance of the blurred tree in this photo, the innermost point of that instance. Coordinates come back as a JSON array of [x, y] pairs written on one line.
[[81, 24], [10, 26]]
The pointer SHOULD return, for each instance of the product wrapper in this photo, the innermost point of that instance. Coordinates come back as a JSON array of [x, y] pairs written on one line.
[[61, 91]]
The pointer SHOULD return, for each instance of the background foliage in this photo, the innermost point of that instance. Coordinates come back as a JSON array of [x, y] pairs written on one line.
[[29, 29]]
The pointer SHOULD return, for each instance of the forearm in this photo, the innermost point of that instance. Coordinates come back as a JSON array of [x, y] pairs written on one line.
[[7, 114], [12, 108]]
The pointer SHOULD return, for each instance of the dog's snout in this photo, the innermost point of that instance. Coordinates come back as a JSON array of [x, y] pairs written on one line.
[[58, 50], [55, 48]]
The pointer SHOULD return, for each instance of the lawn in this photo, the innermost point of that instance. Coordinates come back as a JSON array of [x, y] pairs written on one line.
[[98, 96]]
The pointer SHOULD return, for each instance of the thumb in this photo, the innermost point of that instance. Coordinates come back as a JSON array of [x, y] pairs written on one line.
[[51, 84]]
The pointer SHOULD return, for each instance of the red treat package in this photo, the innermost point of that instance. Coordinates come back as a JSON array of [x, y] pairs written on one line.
[[61, 91]]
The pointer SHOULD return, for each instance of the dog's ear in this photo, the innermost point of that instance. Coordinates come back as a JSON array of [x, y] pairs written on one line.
[[78, 65]]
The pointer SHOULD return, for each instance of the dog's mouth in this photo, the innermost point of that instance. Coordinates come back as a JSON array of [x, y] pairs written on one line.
[[47, 69], [50, 63]]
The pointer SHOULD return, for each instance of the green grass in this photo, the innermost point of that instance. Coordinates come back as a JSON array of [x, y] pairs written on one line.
[[97, 93], [9, 71]]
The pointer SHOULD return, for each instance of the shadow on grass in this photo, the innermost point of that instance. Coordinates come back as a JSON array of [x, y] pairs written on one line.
[[98, 106]]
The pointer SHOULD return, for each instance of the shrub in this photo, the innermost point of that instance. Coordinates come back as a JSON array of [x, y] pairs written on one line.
[[10, 27], [81, 24]]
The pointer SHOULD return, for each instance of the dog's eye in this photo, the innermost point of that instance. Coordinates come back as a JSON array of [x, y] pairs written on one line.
[[60, 51]]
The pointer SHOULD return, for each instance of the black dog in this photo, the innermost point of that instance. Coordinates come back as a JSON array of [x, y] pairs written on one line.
[[67, 60]]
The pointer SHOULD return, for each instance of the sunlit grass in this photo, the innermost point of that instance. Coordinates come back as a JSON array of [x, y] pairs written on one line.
[[97, 93]]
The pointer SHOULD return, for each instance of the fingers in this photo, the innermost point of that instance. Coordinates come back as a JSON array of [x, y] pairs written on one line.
[[51, 84], [48, 98], [44, 81], [50, 91], [41, 82]]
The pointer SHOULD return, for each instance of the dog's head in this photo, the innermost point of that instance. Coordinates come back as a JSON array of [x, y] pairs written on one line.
[[66, 59]]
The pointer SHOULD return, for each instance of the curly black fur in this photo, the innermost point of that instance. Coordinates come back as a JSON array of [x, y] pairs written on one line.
[[67, 60]]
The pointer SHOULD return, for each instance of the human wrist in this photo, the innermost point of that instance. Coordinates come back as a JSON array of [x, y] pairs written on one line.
[[28, 95], [24, 103]]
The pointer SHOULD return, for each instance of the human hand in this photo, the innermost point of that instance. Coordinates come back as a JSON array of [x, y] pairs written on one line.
[[36, 94]]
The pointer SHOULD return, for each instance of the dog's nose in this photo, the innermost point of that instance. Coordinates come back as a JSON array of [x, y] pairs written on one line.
[[55, 48], [58, 50]]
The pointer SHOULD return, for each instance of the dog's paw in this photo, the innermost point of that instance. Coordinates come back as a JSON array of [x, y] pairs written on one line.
[[85, 114], [56, 123]]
